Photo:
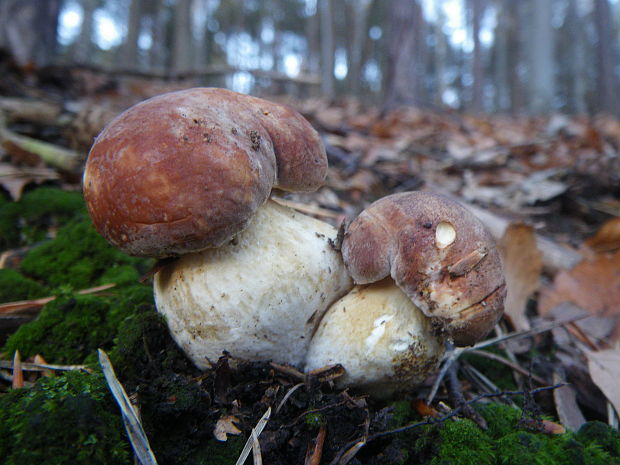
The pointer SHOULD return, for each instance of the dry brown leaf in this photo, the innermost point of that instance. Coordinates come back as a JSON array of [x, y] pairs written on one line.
[[566, 405], [14, 178], [604, 366], [607, 238], [226, 426], [522, 266], [593, 285]]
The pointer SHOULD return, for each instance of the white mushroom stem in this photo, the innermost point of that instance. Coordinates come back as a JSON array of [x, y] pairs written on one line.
[[384, 342], [259, 297]]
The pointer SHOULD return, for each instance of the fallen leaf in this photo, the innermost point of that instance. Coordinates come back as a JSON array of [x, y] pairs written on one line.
[[607, 238], [566, 405], [604, 366], [593, 285], [14, 178], [522, 267], [226, 426]]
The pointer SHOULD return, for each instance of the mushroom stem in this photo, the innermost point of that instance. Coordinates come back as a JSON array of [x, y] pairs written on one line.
[[384, 342], [258, 297]]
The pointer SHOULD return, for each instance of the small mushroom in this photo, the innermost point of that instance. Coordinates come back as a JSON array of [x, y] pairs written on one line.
[[188, 174], [425, 269]]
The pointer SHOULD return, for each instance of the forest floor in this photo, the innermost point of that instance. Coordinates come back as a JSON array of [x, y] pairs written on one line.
[[544, 385]]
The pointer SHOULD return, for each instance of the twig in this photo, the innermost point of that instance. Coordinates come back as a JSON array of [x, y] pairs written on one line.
[[314, 458], [59, 157], [508, 363], [44, 366], [452, 355], [133, 425], [286, 397], [12, 307], [256, 431], [18, 374], [308, 209], [431, 421]]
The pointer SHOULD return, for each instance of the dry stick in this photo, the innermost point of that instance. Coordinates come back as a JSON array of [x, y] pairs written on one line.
[[454, 354], [59, 157], [44, 366], [256, 431], [508, 363], [317, 450], [307, 209], [133, 425], [18, 374], [431, 420], [11, 307]]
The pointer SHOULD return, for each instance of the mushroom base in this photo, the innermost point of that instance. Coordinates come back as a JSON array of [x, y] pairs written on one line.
[[384, 342], [258, 297]]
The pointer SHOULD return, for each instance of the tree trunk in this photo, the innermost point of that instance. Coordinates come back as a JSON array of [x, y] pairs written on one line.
[[360, 12], [182, 37], [477, 71], [514, 58], [606, 81], [500, 54], [327, 47], [402, 64], [158, 56], [441, 56], [28, 30], [82, 49], [129, 52], [576, 60], [542, 62]]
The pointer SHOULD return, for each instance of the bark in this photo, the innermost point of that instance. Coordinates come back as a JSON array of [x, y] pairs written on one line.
[[576, 60], [129, 52], [441, 56], [542, 61], [158, 52], [515, 52], [28, 30], [477, 71], [361, 8], [83, 48], [606, 79], [402, 64], [500, 54], [182, 37], [327, 47]]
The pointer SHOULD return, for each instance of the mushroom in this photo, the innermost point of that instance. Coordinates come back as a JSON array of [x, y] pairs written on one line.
[[188, 174], [425, 269]]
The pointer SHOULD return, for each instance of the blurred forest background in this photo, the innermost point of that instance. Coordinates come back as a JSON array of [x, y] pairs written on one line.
[[519, 56]]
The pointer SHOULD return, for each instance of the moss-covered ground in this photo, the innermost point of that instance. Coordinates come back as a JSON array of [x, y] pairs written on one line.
[[72, 418]]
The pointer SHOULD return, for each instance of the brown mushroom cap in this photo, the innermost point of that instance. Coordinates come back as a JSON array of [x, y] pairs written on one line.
[[185, 171], [438, 253]]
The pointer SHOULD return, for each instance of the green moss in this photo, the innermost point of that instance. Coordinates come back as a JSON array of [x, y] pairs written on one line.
[[401, 413], [462, 442], [15, 286], [602, 435], [78, 257], [29, 220], [314, 419], [501, 419], [71, 328], [66, 419]]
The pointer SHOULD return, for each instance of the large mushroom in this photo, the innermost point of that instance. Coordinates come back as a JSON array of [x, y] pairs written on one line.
[[426, 269], [188, 174]]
